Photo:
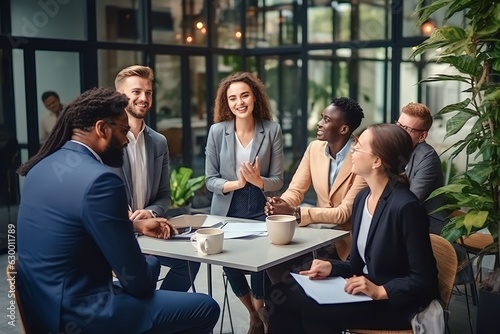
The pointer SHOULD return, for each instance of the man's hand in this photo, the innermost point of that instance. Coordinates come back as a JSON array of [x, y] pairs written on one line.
[[155, 227], [277, 206], [360, 284], [319, 269], [140, 214]]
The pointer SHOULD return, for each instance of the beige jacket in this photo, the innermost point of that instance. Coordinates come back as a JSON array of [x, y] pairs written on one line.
[[333, 206]]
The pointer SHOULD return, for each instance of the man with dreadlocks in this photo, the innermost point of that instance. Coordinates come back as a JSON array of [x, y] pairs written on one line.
[[73, 231]]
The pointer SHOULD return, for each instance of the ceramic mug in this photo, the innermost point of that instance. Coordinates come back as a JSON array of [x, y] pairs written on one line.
[[208, 241], [281, 228]]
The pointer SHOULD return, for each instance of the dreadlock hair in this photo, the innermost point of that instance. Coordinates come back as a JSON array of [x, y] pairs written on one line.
[[393, 146], [82, 113], [351, 112], [262, 107]]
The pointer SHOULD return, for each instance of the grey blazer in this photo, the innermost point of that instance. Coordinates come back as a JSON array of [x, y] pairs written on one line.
[[425, 175], [158, 177], [220, 163]]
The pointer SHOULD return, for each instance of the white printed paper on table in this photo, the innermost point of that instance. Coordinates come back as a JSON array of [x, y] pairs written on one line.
[[328, 291]]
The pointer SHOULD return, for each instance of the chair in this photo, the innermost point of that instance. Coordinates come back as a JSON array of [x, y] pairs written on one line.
[[447, 269], [11, 272]]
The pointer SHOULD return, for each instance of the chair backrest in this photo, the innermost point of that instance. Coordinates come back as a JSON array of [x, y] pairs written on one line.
[[447, 264], [11, 272]]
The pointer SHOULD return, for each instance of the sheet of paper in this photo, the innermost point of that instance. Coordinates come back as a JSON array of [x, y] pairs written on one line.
[[234, 225], [328, 291]]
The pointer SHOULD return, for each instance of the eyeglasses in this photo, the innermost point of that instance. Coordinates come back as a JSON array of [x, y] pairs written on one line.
[[125, 128], [355, 149], [407, 128]]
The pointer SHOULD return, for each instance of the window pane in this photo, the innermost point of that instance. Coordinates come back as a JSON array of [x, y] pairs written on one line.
[[169, 104], [227, 24], [371, 91], [110, 62], [62, 68], [179, 22], [273, 24], [320, 20], [119, 21], [373, 21], [49, 19], [20, 96]]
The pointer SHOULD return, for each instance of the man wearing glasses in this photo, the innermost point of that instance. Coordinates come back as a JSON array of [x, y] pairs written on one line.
[[424, 167]]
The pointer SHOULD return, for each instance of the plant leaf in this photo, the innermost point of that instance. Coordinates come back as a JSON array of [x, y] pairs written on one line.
[[426, 11], [464, 63], [456, 123]]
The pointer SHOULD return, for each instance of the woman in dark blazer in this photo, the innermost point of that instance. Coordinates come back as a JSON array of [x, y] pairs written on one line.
[[391, 257], [244, 161]]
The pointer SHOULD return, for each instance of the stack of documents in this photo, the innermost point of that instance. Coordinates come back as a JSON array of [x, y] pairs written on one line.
[[234, 228]]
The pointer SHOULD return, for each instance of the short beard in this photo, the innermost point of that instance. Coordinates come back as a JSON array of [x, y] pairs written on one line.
[[113, 155], [132, 112]]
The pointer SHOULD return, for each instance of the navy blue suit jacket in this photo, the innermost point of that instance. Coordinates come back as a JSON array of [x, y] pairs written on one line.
[[398, 249], [73, 230]]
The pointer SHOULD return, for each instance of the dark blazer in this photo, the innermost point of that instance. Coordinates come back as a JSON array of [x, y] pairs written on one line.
[[220, 163], [398, 249], [425, 175], [158, 176], [73, 230]]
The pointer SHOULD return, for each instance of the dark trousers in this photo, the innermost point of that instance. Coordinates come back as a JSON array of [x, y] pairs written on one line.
[[291, 311], [181, 274]]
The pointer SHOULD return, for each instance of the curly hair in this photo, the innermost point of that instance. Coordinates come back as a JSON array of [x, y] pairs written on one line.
[[393, 146], [262, 107], [82, 113], [144, 72], [421, 111], [351, 111]]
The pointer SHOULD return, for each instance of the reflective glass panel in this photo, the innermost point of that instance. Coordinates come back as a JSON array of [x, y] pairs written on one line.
[[110, 62], [49, 19], [168, 101], [374, 19], [179, 22], [371, 95], [120, 21], [63, 69]]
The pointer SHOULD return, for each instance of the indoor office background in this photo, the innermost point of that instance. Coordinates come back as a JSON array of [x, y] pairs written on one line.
[[305, 51]]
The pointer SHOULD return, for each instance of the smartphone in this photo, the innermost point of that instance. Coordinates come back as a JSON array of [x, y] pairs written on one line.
[[184, 230]]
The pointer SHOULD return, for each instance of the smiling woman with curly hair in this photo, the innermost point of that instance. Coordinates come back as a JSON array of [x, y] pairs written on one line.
[[244, 160]]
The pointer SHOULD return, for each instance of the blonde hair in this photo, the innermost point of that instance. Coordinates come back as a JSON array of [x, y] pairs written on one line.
[[144, 72], [421, 111]]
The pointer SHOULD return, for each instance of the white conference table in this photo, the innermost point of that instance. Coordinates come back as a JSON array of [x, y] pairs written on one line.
[[249, 253]]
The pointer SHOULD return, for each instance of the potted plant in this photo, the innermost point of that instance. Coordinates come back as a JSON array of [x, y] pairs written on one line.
[[182, 190], [474, 52]]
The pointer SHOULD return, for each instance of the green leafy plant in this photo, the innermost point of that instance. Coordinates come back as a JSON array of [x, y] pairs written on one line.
[[474, 51], [183, 187]]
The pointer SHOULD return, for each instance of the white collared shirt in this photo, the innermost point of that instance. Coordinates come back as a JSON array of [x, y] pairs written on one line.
[[364, 228], [136, 150]]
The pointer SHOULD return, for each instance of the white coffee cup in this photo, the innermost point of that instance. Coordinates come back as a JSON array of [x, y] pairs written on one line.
[[281, 228], [208, 241]]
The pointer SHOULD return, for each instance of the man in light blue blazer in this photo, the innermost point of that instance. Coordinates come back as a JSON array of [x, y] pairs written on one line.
[[74, 231], [146, 167]]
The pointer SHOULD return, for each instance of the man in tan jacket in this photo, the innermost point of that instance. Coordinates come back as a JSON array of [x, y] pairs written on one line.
[[327, 165]]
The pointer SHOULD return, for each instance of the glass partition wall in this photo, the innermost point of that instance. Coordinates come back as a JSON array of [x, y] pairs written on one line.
[[305, 52]]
